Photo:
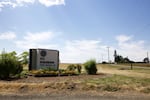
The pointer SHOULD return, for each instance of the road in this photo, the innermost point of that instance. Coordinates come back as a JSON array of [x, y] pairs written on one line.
[[77, 97]]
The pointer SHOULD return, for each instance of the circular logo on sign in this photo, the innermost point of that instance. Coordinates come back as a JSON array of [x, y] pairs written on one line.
[[43, 53]]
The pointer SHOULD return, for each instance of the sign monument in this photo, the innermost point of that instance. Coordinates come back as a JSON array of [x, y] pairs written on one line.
[[43, 58]]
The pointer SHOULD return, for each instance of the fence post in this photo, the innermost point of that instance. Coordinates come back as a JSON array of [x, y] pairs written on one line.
[[131, 66]]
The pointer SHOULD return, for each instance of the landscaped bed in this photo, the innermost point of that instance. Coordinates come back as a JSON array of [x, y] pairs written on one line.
[[46, 73]]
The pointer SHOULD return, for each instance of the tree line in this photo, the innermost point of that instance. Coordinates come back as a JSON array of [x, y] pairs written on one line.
[[121, 59]]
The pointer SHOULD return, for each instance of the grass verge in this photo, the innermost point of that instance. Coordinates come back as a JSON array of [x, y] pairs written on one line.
[[120, 83], [111, 83]]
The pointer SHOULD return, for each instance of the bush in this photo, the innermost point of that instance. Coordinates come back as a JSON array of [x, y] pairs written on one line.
[[76, 68], [104, 62], [90, 67], [71, 67], [9, 66], [79, 68]]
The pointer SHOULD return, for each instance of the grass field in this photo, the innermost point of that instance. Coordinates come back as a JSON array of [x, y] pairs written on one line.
[[138, 64], [142, 72], [123, 78], [123, 69], [121, 83]]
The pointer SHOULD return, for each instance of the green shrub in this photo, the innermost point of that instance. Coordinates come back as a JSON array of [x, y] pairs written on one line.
[[90, 67], [48, 69], [79, 68], [9, 66], [71, 67]]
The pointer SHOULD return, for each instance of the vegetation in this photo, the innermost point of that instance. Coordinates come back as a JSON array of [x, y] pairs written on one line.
[[146, 60], [70, 70], [42, 73], [71, 67], [74, 67], [119, 82], [90, 67], [9, 65], [121, 59], [24, 57], [99, 83], [79, 68]]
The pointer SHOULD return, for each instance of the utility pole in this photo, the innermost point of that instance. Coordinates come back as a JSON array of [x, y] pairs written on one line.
[[108, 54], [148, 57], [102, 57]]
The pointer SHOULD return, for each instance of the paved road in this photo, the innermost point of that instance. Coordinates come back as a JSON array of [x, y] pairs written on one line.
[[79, 97]]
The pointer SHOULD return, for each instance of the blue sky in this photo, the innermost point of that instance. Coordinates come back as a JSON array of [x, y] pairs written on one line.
[[79, 29]]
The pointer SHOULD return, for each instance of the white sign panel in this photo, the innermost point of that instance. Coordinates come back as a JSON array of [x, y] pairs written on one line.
[[47, 59]]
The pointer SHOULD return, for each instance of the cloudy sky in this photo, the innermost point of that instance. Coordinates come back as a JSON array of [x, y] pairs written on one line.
[[79, 29]]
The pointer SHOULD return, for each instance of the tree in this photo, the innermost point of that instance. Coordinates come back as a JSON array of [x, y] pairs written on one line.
[[126, 60], [12, 54], [24, 57], [119, 59], [146, 60]]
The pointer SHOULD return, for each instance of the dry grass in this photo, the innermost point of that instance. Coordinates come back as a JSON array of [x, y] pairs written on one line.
[[115, 83], [106, 68], [138, 64], [121, 81]]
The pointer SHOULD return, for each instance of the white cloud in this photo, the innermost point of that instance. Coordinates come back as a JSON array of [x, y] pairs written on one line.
[[6, 3], [78, 51], [49, 3], [7, 36], [123, 38], [36, 40], [82, 50], [38, 37], [27, 45], [128, 47], [74, 51], [15, 3], [24, 2], [20, 3]]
